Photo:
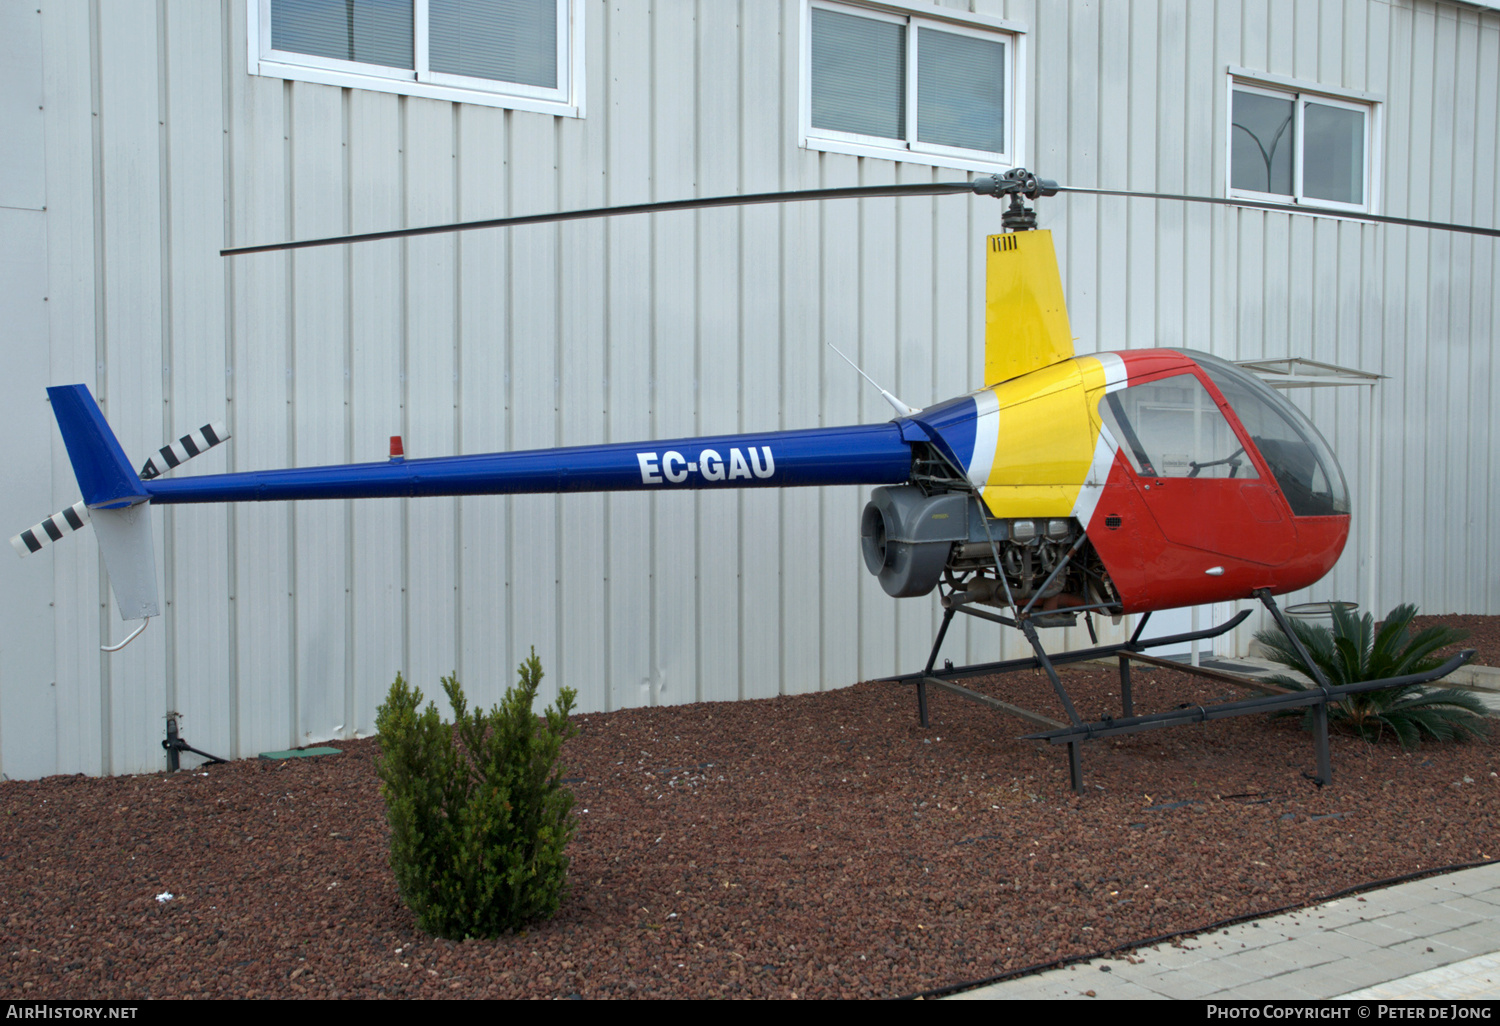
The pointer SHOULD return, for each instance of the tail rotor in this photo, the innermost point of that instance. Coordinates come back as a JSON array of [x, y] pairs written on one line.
[[115, 499]]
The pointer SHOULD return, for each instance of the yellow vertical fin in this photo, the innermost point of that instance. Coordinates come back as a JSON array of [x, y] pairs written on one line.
[[1025, 319]]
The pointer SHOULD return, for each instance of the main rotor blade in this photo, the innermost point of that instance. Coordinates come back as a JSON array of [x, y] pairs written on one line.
[[1290, 208], [852, 192]]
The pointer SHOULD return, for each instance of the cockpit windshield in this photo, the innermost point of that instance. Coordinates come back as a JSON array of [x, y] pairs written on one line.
[[1302, 462]]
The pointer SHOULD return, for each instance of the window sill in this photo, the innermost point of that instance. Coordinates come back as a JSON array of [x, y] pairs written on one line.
[[406, 87], [1314, 207], [990, 165]]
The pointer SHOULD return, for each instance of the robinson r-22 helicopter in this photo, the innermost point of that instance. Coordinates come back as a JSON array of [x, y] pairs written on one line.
[[1066, 485]]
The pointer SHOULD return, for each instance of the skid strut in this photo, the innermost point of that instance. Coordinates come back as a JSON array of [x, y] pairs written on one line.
[[1073, 733]]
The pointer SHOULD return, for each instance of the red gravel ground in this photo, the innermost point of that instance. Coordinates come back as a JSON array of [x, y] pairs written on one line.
[[819, 846], [1484, 634]]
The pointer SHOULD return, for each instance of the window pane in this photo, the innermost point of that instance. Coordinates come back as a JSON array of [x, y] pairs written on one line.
[[368, 31], [858, 74], [1262, 143], [1173, 428], [505, 40], [1333, 153], [1300, 460], [960, 90]]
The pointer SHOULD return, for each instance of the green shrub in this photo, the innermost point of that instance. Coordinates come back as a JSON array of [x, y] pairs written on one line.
[[478, 817], [1354, 651]]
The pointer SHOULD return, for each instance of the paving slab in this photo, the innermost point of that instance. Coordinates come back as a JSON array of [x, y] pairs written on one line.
[[1480, 907], [1443, 917], [1264, 990], [1473, 979], [1182, 983], [1342, 946], [1477, 939], [1325, 979], [1382, 934]]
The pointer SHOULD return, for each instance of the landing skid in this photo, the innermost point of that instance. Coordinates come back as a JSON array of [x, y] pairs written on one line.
[[1075, 731]]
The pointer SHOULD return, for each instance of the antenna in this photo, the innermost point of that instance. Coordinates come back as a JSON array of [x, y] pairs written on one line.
[[902, 410]]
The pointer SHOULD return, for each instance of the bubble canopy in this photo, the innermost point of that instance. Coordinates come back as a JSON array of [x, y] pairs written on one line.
[[1300, 459]]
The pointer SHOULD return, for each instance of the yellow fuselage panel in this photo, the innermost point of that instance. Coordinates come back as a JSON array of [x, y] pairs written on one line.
[[1046, 442], [1025, 318]]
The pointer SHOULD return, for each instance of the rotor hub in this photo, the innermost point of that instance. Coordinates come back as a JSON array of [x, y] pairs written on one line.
[[1017, 183]]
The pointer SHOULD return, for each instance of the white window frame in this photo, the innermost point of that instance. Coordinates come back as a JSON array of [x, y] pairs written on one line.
[[565, 100], [1302, 93], [915, 16]]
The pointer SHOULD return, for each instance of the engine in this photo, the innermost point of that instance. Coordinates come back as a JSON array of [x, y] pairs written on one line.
[[912, 540]]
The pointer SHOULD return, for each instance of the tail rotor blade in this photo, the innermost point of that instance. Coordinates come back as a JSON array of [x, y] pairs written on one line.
[[184, 449], [52, 529]]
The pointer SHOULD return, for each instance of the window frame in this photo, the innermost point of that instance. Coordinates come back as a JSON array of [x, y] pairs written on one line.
[[916, 16], [1301, 93], [566, 99]]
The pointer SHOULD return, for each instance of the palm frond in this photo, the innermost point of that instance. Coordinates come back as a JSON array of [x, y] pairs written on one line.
[[1418, 655], [1404, 729], [1354, 651], [1391, 638]]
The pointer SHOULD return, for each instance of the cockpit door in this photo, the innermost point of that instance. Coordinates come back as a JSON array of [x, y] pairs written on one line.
[[1193, 472]]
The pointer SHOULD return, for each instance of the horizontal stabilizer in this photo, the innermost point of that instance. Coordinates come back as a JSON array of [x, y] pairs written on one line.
[[52, 529], [184, 449]]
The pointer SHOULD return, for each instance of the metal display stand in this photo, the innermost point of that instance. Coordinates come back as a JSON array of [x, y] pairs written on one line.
[[1075, 731]]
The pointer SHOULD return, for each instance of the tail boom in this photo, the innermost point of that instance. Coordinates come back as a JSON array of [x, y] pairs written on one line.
[[865, 454]]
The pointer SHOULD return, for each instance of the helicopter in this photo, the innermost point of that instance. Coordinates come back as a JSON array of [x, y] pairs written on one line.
[[1066, 485]]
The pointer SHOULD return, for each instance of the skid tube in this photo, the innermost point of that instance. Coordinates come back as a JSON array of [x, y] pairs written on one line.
[[1268, 703], [945, 678]]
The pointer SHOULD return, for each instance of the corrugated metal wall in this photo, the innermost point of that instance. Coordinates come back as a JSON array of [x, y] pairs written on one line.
[[138, 144]]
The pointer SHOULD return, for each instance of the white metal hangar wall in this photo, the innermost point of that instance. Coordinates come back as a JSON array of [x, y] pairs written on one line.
[[138, 142]]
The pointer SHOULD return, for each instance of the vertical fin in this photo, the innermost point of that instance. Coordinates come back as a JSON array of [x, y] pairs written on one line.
[[116, 499], [104, 474], [1025, 318]]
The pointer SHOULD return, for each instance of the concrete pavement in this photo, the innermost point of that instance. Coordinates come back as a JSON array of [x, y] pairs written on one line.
[[1430, 939]]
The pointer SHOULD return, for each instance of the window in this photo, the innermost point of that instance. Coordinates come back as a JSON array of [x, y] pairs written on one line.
[[890, 82], [1300, 459], [1173, 428], [499, 53], [1295, 146]]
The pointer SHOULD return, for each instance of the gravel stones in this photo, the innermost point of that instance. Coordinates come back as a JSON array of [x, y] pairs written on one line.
[[820, 845]]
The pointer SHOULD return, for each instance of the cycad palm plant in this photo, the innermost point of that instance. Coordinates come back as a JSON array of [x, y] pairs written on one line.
[[1354, 651]]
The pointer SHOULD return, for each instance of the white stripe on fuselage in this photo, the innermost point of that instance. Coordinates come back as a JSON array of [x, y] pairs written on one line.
[[1105, 447], [986, 436], [1093, 485], [1115, 377]]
